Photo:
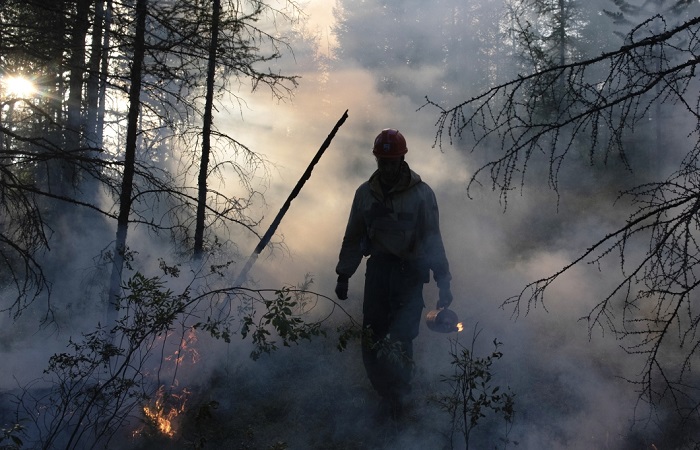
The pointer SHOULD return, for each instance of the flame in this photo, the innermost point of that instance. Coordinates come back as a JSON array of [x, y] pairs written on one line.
[[163, 413], [163, 416], [186, 350], [460, 327]]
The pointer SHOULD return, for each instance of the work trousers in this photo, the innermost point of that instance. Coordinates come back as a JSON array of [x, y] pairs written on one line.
[[392, 310]]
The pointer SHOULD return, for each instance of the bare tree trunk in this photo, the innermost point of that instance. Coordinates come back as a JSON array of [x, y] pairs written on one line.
[[206, 134], [49, 176], [104, 70], [93, 81], [76, 63], [129, 163], [563, 22]]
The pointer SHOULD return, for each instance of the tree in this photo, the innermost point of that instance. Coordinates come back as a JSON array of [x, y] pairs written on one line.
[[397, 38], [652, 307], [96, 77], [125, 196], [54, 150], [550, 33], [39, 165], [624, 15], [544, 29], [234, 50], [206, 132]]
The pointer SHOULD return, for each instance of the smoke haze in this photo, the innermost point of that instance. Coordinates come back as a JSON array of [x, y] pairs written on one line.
[[569, 384]]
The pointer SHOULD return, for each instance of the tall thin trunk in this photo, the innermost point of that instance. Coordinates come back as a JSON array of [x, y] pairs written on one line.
[[104, 70], [129, 161], [206, 134], [47, 175], [76, 64], [562, 31], [92, 90]]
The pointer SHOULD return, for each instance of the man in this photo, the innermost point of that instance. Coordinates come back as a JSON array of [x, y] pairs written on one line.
[[394, 221]]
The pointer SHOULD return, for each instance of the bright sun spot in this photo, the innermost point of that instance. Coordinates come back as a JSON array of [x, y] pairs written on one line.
[[18, 87]]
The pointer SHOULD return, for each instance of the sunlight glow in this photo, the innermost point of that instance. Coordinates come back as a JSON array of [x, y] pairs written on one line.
[[17, 86]]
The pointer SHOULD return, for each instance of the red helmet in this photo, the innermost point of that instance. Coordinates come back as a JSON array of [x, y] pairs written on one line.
[[389, 144]]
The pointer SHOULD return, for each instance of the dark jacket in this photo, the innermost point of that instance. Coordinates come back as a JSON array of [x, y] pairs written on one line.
[[401, 223]]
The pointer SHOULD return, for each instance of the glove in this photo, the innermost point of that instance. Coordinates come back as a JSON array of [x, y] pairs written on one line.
[[444, 296], [341, 288]]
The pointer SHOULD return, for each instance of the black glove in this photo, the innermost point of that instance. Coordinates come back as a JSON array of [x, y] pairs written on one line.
[[341, 288], [444, 295]]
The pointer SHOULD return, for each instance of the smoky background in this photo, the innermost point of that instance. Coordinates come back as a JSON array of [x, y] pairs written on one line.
[[569, 383]]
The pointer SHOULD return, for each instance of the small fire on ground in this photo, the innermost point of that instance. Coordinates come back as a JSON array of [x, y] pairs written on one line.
[[460, 327], [164, 411]]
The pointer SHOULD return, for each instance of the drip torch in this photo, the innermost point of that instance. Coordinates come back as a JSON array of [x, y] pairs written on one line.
[[443, 321]]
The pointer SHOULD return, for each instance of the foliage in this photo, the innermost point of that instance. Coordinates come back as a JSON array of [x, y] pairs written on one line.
[[282, 313], [472, 394], [102, 379], [105, 378], [349, 332]]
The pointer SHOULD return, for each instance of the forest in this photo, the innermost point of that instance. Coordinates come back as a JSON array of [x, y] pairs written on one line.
[[152, 296]]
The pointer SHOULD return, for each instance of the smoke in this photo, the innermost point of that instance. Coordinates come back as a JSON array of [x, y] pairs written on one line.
[[570, 384]]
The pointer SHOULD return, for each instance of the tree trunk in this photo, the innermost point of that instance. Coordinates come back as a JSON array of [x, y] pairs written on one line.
[[99, 125], [129, 162], [563, 23], [206, 134], [93, 81], [76, 65], [49, 176]]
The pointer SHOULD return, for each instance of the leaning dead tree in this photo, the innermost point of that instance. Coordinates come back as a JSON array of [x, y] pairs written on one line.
[[592, 107]]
